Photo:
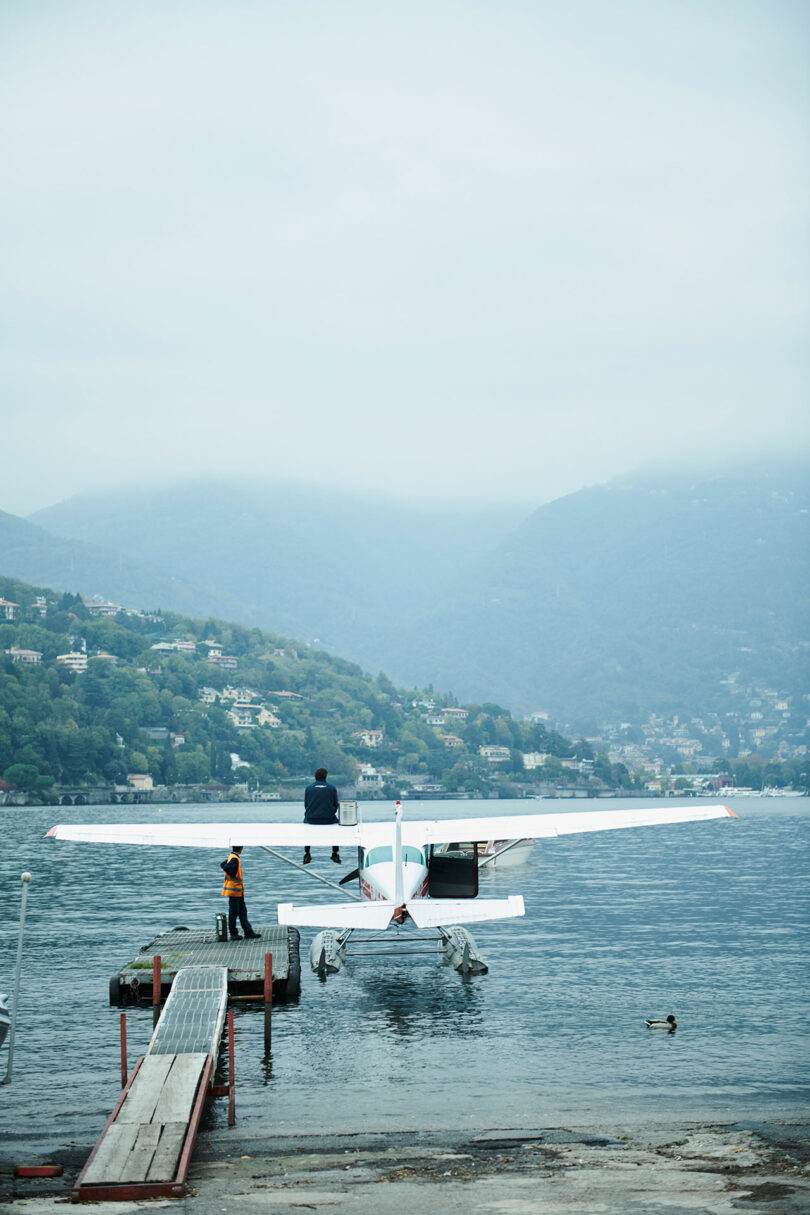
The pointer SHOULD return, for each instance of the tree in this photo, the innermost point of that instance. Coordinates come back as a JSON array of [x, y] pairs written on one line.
[[192, 767]]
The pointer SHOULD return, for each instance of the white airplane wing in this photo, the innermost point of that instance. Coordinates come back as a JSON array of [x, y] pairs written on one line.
[[210, 835], [435, 913], [431, 831], [374, 916], [539, 826]]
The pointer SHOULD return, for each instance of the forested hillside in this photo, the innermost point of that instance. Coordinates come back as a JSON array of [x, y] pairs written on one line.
[[646, 595], [89, 699]]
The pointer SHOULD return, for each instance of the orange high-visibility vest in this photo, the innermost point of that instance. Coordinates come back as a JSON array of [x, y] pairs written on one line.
[[234, 886]]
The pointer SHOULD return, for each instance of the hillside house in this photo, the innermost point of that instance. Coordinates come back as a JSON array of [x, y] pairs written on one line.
[[209, 696], [30, 658], [266, 718], [493, 754], [240, 696], [242, 717], [451, 741], [534, 759], [369, 738], [8, 610], [140, 781], [225, 662], [102, 607], [369, 780], [76, 660]]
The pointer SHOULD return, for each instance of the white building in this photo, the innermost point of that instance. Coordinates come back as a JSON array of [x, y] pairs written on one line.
[[534, 759], [369, 779], [31, 658], [74, 661], [494, 755]]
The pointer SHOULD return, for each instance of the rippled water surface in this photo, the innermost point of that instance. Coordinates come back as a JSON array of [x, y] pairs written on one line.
[[706, 920]]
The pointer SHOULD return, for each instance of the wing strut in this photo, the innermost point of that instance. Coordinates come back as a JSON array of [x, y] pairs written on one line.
[[316, 877]]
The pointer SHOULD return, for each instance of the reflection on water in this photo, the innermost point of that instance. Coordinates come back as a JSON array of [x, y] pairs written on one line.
[[705, 920]]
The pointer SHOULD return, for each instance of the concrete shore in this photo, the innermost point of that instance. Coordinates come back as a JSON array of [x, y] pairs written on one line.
[[669, 1169]]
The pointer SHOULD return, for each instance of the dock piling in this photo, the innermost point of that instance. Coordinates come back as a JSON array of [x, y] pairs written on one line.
[[268, 999], [231, 1072], [123, 1050], [157, 979]]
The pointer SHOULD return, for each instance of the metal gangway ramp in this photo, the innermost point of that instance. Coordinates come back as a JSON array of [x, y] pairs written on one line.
[[145, 1149]]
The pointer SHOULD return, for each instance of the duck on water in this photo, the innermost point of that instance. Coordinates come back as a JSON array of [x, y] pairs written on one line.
[[669, 1024]]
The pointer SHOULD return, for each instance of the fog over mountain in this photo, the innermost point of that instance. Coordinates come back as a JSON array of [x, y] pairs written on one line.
[[636, 596]]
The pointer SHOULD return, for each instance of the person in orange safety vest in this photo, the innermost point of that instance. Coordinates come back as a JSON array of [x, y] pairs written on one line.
[[234, 890]]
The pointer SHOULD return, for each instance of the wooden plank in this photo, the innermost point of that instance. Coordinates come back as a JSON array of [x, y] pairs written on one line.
[[112, 1155], [136, 1166], [164, 1164], [176, 1098], [146, 1089]]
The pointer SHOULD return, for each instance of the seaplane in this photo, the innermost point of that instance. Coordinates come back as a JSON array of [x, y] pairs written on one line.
[[418, 877]]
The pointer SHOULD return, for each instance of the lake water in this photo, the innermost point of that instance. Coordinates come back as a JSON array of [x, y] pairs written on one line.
[[706, 920]]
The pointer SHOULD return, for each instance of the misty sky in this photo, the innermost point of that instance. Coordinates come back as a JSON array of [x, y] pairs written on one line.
[[489, 250]]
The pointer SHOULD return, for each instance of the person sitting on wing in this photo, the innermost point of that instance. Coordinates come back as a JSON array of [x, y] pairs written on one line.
[[321, 805], [234, 891]]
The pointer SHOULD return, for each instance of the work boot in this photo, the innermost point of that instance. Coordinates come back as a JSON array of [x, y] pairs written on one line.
[[252, 936], [336, 856], [307, 857], [235, 936]]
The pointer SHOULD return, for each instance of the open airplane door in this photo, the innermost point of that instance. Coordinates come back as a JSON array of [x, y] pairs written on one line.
[[453, 871]]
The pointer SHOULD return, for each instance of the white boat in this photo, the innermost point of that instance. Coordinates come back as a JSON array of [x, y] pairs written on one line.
[[5, 1018], [506, 854]]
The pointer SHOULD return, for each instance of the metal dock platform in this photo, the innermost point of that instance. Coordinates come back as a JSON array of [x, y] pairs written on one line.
[[145, 1149], [243, 960]]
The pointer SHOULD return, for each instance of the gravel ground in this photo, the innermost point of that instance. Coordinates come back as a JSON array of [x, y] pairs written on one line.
[[669, 1170]]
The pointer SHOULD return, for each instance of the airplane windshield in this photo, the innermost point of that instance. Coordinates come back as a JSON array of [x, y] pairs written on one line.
[[410, 855]]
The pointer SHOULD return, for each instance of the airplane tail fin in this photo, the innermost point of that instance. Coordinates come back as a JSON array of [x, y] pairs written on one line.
[[372, 915], [436, 913]]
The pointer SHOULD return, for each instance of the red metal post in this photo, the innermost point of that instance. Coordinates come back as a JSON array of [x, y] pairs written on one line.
[[268, 999], [231, 1072], [123, 1050], [156, 981]]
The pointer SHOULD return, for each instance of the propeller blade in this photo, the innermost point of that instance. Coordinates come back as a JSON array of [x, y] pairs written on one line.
[[355, 873]]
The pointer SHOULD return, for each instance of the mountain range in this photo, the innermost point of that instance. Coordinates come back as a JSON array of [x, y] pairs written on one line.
[[642, 595]]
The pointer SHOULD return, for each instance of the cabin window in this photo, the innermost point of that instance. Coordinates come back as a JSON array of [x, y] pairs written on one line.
[[453, 873], [375, 856]]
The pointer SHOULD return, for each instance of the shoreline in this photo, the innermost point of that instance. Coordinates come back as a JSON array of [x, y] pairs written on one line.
[[712, 1168]]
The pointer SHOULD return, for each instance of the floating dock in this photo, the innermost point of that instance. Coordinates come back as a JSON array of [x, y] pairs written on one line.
[[145, 1149], [242, 960]]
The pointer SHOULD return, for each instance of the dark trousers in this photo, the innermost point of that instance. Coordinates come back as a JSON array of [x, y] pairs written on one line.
[[237, 911]]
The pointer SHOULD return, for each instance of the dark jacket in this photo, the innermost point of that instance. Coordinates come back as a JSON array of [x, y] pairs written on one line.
[[321, 803]]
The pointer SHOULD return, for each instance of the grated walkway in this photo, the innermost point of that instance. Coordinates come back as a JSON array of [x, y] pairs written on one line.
[[145, 1149]]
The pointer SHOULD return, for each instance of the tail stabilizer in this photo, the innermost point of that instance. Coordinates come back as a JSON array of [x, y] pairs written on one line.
[[373, 916], [440, 913]]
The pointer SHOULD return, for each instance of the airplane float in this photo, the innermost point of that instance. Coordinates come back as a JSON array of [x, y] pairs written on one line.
[[413, 875]]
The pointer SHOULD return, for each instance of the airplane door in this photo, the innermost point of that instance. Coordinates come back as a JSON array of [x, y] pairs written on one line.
[[453, 871]]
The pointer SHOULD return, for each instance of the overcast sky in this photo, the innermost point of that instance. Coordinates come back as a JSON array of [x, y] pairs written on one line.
[[494, 250]]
